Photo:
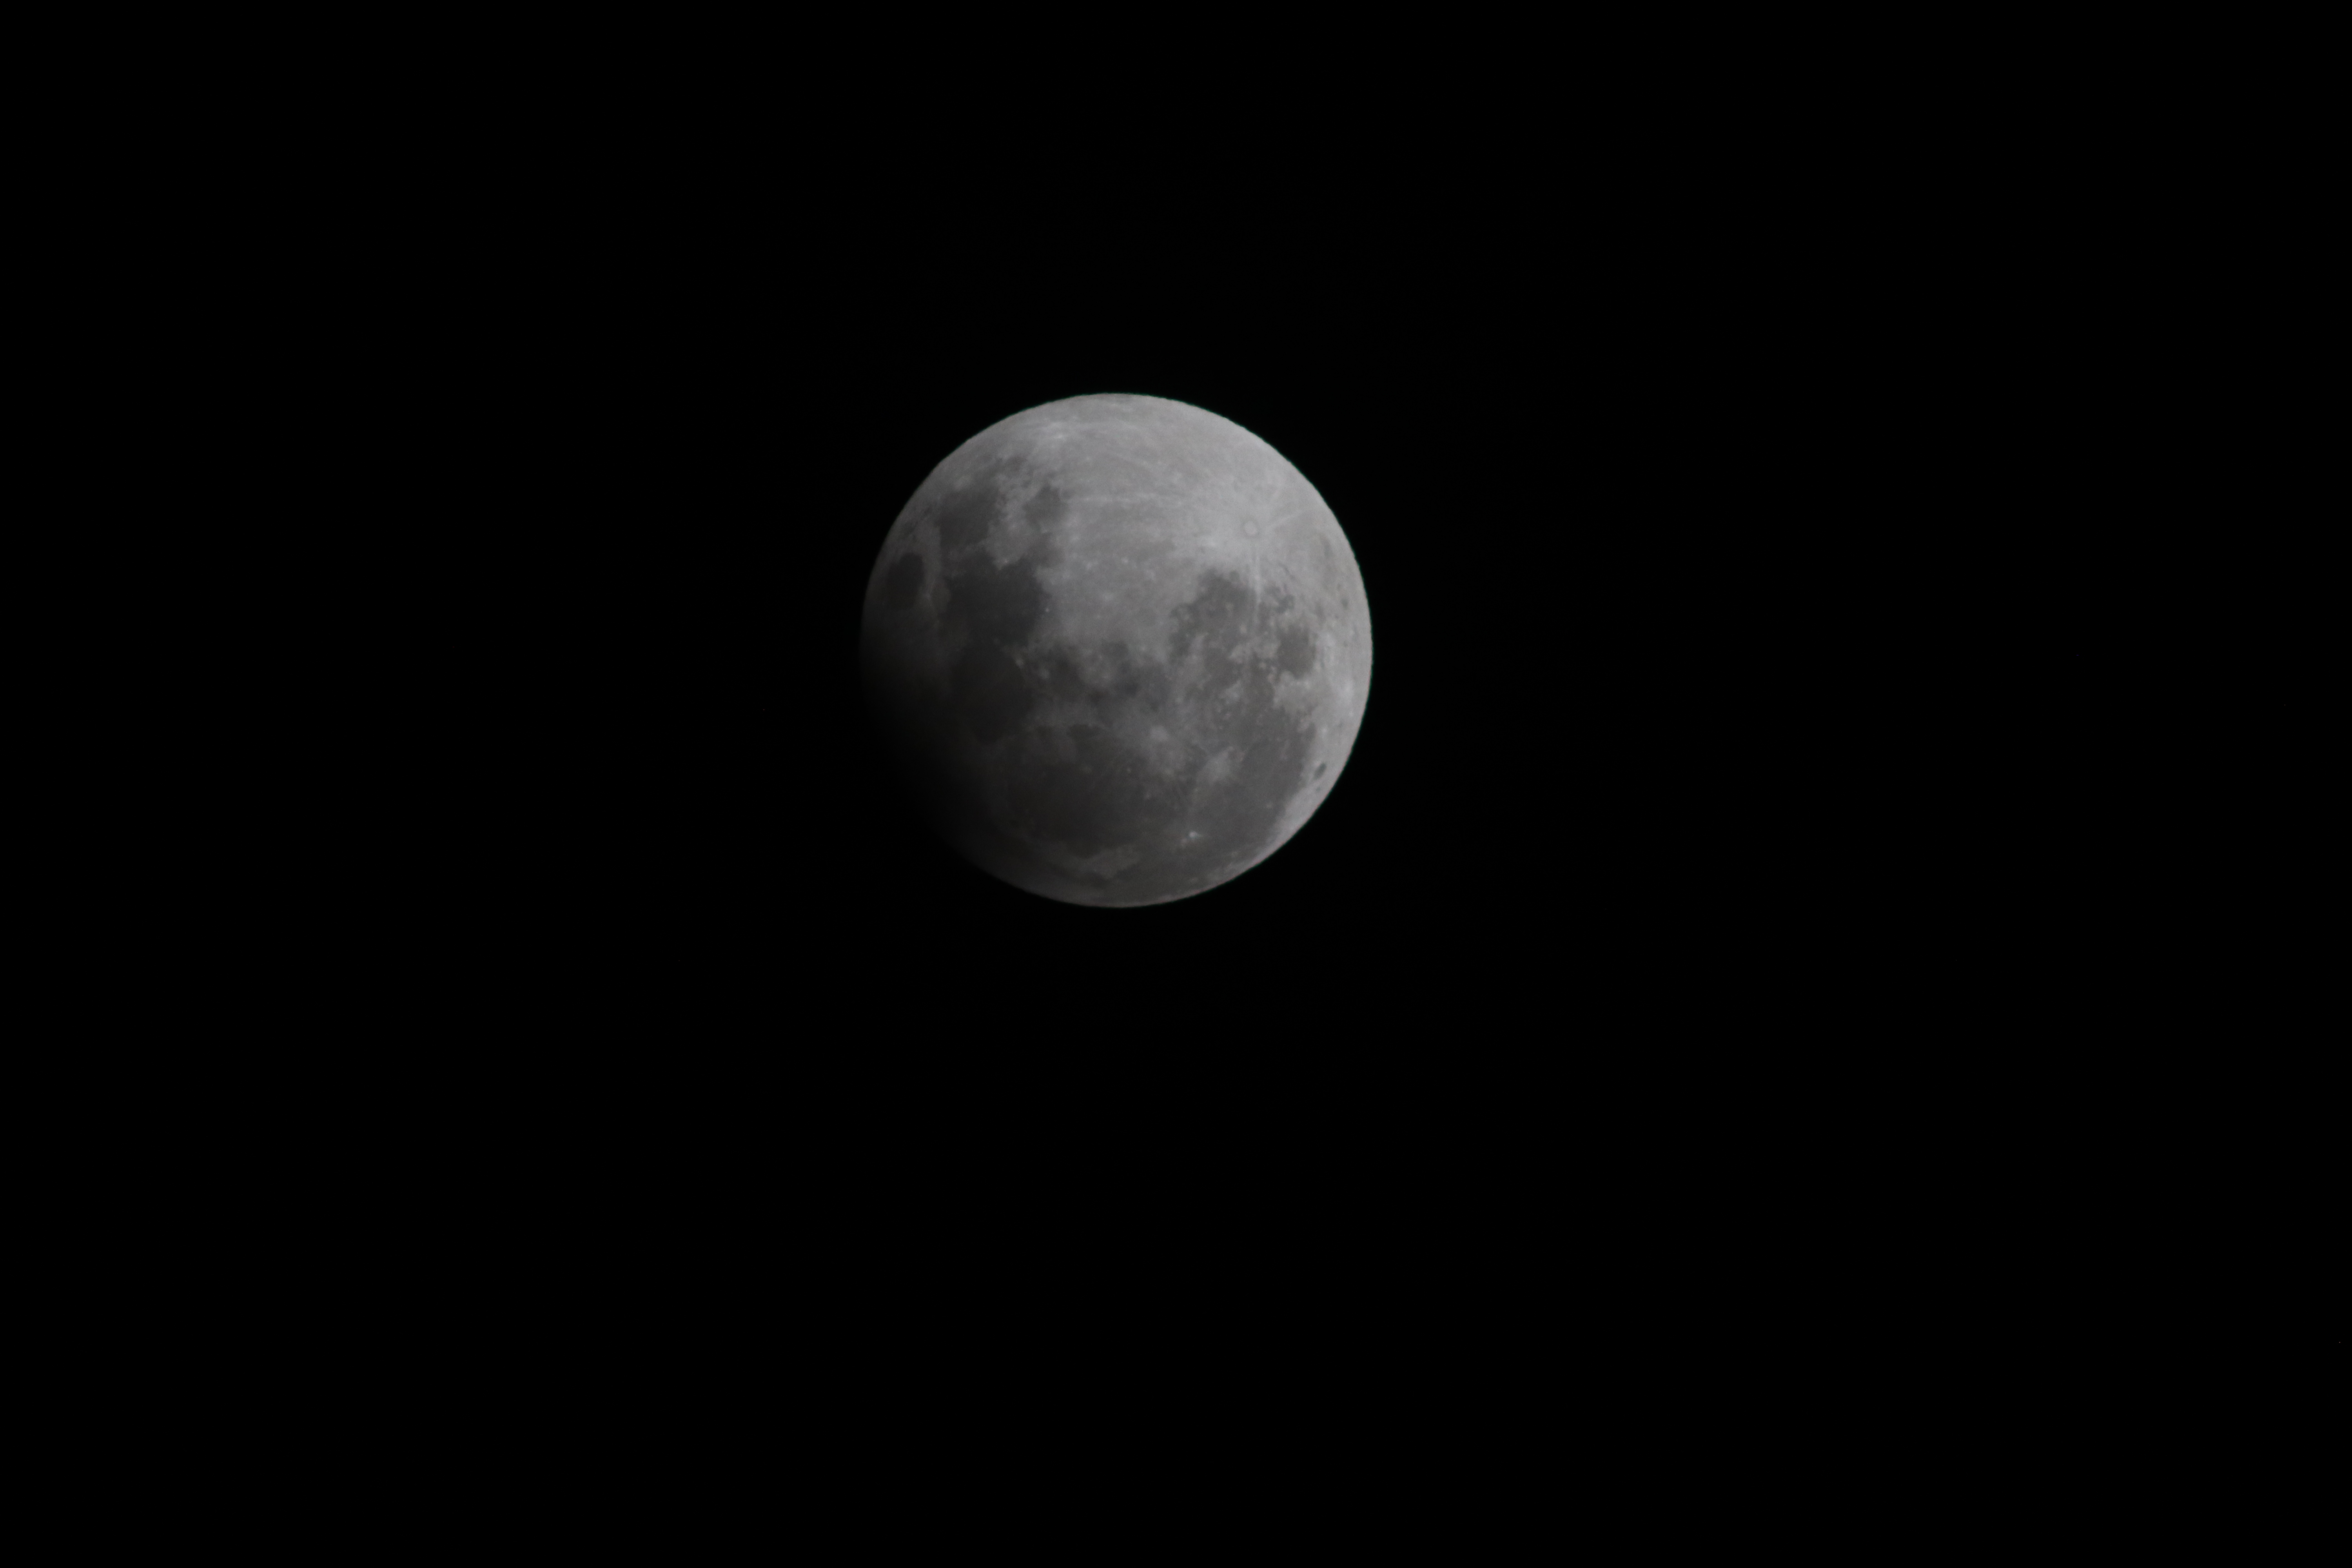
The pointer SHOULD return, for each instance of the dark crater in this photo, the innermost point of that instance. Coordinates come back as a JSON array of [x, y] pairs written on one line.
[[1001, 605], [995, 609], [990, 695], [1215, 618], [1295, 651], [1105, 796], [1047, 508], [902, 583], [1142, 682], [964, 519], [1084, 791]]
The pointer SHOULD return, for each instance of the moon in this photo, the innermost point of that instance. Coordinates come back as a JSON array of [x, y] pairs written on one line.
[[1116, 649]]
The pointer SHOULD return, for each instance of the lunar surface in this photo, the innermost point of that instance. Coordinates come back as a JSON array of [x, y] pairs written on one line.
[[1118, 649]]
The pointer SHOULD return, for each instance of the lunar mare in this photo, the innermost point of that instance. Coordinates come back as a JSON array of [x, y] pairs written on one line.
[[1118, 649]]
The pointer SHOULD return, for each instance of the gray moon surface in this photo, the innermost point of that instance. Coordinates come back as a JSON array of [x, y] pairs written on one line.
[[1118, 649]]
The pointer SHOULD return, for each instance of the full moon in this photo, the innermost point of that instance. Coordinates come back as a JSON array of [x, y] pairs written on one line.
[[1116, 649]]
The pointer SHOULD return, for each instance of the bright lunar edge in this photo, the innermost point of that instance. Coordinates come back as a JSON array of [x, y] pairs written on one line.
[[1116, 649]]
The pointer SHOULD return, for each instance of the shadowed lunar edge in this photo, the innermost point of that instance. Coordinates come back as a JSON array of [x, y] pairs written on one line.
[[1103, 768]]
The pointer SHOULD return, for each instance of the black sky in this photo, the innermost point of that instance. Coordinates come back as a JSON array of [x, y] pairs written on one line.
[[1615, 534], [1654, 482], [1641, 950]]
